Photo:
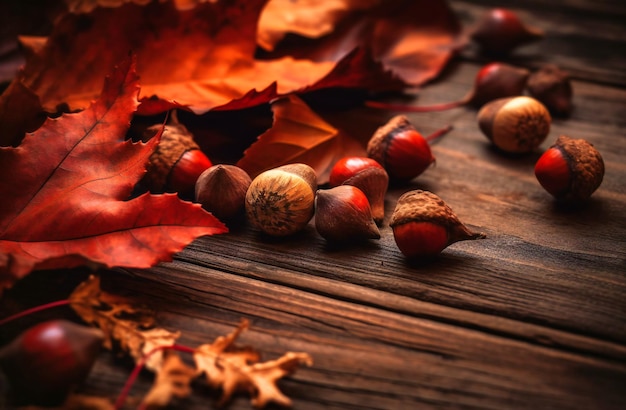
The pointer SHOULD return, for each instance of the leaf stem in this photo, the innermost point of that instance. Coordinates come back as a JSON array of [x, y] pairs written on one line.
[[139, 366], [34, 310], [439, 133], [415, 108]]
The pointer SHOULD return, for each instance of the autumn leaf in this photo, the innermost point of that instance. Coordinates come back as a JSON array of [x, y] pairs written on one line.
[[124, 324], [20, 111], [233, 369], [199, 59], [65, 188], [307, 18], [413, 39], [173, 380], [298, 135]]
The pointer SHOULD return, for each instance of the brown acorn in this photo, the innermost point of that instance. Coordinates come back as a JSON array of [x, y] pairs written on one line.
[[500, 31], [423, 225], [515, 125], [281, 201], [552, 86], [367, 175], [176, 163], [343, 214], [221, 189], [46, 361], [402, 151], [572, 169]]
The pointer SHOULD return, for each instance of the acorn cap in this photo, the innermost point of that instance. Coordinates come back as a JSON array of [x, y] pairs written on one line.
[[175, 141], [424, 206]]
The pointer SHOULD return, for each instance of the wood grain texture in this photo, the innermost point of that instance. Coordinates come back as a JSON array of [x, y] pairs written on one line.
[[532, 317]]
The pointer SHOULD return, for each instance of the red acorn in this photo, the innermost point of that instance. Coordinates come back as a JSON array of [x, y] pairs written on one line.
[[500, 31], [176, 163], [400, 149], [423, 225], [572, 169], [46, 361]]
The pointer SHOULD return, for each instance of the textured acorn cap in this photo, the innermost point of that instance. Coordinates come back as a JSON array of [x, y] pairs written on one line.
[[175, 141], [424, 206], [586, 167]]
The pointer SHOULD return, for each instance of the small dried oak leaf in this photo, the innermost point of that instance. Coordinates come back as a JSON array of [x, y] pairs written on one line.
[[173, 380], [235, 369], [124, 325]]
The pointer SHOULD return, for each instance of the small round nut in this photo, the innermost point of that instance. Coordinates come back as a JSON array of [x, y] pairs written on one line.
[[281, 201], [515, 125], [221, 190]]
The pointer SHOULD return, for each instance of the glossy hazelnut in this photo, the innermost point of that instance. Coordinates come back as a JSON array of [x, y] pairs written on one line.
[[343, 214], [221, 189]]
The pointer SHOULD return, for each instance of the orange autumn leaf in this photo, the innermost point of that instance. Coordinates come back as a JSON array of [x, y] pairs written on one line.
[[173, 380], [65, 193], [298, 135], [414, 39], [307, 18], [199, 59]]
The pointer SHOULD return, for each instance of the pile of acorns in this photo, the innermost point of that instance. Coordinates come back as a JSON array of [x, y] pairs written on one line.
[[282, 201]]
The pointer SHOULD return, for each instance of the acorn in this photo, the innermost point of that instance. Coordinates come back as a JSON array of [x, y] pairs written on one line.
[[500, 31], [343, 214], [493, 81], [367, 175], [177, 161], [281, 201], [423, 225], [571, 169], [552, 86], [401, 150], [221, 189], [48, 360], [516, 124]]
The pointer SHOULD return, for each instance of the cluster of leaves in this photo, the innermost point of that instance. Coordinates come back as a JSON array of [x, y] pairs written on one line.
[[224, 365], [66, 186]]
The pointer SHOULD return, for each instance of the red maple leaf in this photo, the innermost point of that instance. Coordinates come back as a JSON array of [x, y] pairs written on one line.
[[65, 188]]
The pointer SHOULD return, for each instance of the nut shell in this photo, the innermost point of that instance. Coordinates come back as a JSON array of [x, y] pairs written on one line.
[[501, 31], [515, 125], [343, 214], [280, 201], [572, 169], [552, 86], [221, 190]]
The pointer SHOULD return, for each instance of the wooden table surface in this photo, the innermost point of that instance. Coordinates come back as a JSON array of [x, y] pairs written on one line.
[[534, 316]]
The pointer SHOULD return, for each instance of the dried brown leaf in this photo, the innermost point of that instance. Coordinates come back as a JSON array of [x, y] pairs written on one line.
[[173, 380], [130, 327], [235, 369]]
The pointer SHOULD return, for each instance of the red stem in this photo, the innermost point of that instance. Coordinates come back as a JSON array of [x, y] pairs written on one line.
[[415, 108], [34, 310], [439, 133], [139, 366]]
